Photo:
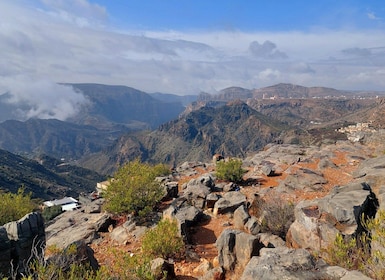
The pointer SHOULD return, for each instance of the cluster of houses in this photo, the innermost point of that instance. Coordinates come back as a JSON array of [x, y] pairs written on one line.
[[70, 203]]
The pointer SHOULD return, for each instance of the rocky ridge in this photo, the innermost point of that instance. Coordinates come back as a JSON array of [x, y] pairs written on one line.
[[329, 186]]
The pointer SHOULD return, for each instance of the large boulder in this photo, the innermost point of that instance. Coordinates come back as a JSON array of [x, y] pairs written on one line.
[[318, 221], [229, 202], [22, 241], [73, 226], [236, 247], [292, 264], [302, 179]]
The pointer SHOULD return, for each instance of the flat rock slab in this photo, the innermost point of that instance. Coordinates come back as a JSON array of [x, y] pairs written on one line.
[[73, 226]]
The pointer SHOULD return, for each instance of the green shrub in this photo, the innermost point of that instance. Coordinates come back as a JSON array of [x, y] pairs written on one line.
[[134, 188], [367, 255], [15, 206], [345, 253], [163, 241], [51, 212], [230, 170]]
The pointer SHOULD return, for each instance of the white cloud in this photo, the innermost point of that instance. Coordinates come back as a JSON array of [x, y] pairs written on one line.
[[372, 16], [42, 99], [70, 41]]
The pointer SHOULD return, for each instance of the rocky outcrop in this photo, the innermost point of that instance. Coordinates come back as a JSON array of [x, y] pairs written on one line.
[[21, 242], [293, 264], [318, 221], [73, 226]]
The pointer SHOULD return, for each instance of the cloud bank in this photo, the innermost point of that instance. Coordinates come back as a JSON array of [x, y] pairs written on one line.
[[73, 42], [41, 99]]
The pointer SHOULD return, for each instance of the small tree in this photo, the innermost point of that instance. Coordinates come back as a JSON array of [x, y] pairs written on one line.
[[15, 206], [230, 170], [134, 188]]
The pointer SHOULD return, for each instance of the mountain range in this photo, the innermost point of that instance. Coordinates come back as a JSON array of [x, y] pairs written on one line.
[[120, 123]]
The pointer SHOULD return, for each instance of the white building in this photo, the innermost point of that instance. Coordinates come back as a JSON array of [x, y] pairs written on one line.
[[66, 203]]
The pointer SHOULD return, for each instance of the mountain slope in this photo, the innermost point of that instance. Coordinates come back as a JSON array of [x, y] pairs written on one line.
[[124, 105], [233, 130], [47, 178], [56, 138]]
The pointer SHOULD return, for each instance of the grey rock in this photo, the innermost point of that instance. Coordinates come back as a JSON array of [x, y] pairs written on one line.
[[268, 170], [161, 267], [303, 179], [315, 220], [216, 273], [21, 242], [240, 217], [211, 199], [252, 225], [73, 226], [284, 263], [269, 240], [229, 202]]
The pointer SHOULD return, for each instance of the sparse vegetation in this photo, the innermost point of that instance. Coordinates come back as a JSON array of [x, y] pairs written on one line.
[[277, 214], [15, 206], [367, 255], [134, 188], [163, 240], [230, 170], [51, 212]]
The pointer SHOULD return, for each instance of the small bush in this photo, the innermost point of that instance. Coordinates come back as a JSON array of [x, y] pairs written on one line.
[[230, 170], [277, 214], [51, 212], [367, 255], [163, 241], [345, 253], [15, 206], [134, 189]]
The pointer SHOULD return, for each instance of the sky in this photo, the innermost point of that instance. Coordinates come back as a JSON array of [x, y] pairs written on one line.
[[185, 47]]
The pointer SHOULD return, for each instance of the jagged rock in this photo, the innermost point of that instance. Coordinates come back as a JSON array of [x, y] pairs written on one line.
[[371, 171], [246, 246], [161, 267], [252, 225], [229, 187], [269, 240], [170, 191], [318, 221], [93, 206], [229, 202], [196, 195], [185, 215], [211, 199], [225, 245], [236, 248], [21, 242], [241, 216], [5, 252], [268, 170], [205, 179], [292, 264]]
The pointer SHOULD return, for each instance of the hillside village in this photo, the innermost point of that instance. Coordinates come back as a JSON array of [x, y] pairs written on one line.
[[225, 225]]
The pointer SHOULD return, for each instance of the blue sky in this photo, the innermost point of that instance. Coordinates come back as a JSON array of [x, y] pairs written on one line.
[[185, 47], [244, 15]]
